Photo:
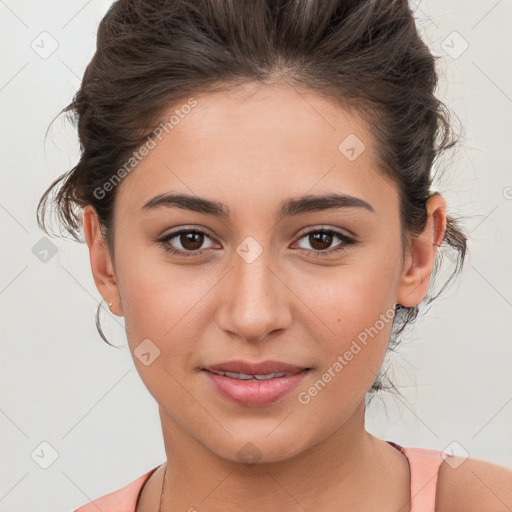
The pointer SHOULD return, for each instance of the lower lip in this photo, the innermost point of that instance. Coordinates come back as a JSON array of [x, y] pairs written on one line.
[[254, 393]]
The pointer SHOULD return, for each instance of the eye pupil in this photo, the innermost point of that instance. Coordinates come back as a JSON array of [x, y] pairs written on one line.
[[320, 237], [185, 238]]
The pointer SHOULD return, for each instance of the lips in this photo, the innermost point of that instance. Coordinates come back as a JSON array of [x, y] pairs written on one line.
[[255, 384]]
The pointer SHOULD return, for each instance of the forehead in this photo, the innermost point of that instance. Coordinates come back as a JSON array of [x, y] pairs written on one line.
[[254, 144]]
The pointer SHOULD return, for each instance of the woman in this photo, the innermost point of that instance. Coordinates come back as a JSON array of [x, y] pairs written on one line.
[[257, 200]]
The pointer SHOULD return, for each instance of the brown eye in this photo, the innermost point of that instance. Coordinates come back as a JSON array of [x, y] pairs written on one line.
[[190, 240], [321, 239]]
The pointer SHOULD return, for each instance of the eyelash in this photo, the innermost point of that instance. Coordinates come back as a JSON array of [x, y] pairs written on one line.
[[343, 247]]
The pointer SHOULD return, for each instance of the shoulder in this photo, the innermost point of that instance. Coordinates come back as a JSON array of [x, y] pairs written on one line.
[[471, 485], [122, 500]]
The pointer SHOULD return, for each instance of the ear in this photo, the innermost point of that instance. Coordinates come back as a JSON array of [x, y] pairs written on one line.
[[101, 264], [419, 257]]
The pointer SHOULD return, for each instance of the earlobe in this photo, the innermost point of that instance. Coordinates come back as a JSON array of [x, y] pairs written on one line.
[[100, 260], [420, 256]]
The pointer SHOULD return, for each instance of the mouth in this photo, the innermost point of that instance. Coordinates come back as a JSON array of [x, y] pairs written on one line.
[[247, 368], [254, 384], [247, 376]]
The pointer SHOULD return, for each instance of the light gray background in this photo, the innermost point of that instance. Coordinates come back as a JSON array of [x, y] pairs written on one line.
[[61, 384]]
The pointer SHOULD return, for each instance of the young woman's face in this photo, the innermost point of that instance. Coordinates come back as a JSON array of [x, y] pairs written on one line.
[[260, 281]]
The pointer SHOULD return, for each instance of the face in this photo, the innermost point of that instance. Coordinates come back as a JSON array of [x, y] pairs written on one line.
[[278, 276]]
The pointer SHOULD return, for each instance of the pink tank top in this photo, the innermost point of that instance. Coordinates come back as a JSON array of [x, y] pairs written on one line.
[[423, 465]]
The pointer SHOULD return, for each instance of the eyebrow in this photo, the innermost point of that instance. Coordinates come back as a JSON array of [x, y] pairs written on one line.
[[288, 208]]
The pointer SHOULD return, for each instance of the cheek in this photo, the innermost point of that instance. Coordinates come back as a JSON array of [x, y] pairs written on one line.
[[352, 358], [351, 297], [157, 296], [354, 313], [163, 317]]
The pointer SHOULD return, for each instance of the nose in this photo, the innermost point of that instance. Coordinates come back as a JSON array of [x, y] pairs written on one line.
[[256, 301]]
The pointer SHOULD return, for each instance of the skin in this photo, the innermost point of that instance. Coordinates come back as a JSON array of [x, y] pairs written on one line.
[[252, 148]]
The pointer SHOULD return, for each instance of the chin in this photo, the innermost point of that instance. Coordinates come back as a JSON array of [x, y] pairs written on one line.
[[259, 449]]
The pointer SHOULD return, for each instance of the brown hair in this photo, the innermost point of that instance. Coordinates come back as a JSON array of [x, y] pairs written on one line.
[[364, 54]]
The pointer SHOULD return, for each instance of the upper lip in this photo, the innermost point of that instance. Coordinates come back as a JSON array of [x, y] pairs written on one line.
[[248, 368]]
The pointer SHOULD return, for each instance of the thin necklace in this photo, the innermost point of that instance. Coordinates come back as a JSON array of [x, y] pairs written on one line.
[[162, 495]]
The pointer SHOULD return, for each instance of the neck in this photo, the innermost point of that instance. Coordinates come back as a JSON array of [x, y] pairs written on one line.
[[349, 465]]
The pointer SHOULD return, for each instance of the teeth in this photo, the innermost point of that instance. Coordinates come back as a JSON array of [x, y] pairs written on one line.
[[264, 377], [270, 376], [242, 376], [245, 376]]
